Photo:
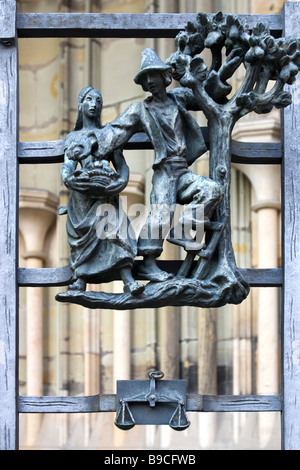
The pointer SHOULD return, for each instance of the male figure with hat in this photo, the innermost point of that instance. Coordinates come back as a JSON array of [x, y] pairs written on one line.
[[177, 141]]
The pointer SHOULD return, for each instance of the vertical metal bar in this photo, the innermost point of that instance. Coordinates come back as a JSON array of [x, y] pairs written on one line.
[[8, 226], [291, 252]]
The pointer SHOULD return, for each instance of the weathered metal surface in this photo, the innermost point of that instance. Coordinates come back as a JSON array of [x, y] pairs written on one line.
[[252, 403], [51, 25], [151, 402], [241, 152], [178, 141], [118, 25], [103, 246], [92, 404], [107, 404], [44, 277], [263, 277], [62, 276], [8, 229], [256, 152], [291, 254], [8, 19], [102, 243], [265, 59]]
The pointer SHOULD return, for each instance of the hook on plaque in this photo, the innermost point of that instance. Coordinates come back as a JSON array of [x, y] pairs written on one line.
[[152, 396]]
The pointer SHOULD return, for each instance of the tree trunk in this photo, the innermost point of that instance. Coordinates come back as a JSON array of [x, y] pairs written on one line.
[[222, 268]]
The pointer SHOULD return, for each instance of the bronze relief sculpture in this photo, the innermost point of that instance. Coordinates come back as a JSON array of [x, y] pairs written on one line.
[[208, 276], [93, 257]]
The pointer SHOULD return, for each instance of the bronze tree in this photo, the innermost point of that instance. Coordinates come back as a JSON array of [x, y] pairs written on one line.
[[265, 60]]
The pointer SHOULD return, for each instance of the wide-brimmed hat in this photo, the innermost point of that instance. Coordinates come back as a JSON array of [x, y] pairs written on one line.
[[150, 61]]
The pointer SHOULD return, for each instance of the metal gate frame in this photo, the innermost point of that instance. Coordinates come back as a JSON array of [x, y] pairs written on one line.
[[13, 153]]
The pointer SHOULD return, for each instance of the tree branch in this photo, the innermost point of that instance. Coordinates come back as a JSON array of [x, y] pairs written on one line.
[[209, 107], [249, 81], [267, 98], [263, 79]]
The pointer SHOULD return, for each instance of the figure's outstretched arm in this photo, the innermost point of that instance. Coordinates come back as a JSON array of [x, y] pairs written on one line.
[[116, 134]]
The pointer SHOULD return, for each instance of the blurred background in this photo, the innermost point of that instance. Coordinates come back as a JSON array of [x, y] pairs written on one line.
[[81, 352]]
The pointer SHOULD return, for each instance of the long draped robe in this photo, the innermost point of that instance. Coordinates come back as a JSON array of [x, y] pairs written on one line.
[[100, 237]]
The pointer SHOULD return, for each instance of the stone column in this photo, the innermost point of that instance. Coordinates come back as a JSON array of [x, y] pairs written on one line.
[[37, 214], [133, 194], [268, 229], [266, 183], [268, 372]]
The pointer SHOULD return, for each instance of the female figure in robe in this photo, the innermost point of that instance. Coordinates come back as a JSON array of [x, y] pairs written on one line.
[[102, 244]]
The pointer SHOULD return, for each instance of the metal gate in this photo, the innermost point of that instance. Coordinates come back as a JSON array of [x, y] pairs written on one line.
[[13, 153]]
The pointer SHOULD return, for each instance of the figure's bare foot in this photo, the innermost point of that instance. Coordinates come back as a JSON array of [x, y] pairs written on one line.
[[133, 288], [130, 285], [150, 271]]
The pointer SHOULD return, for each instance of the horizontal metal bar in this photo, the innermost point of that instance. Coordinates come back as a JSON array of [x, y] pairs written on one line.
[[93, 404], [41, 152], [123, 25], [53, 151], [234, 403], [44, 277], [256, 152], [242, 152], [107, 403], [62, 276], [272, 277]]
